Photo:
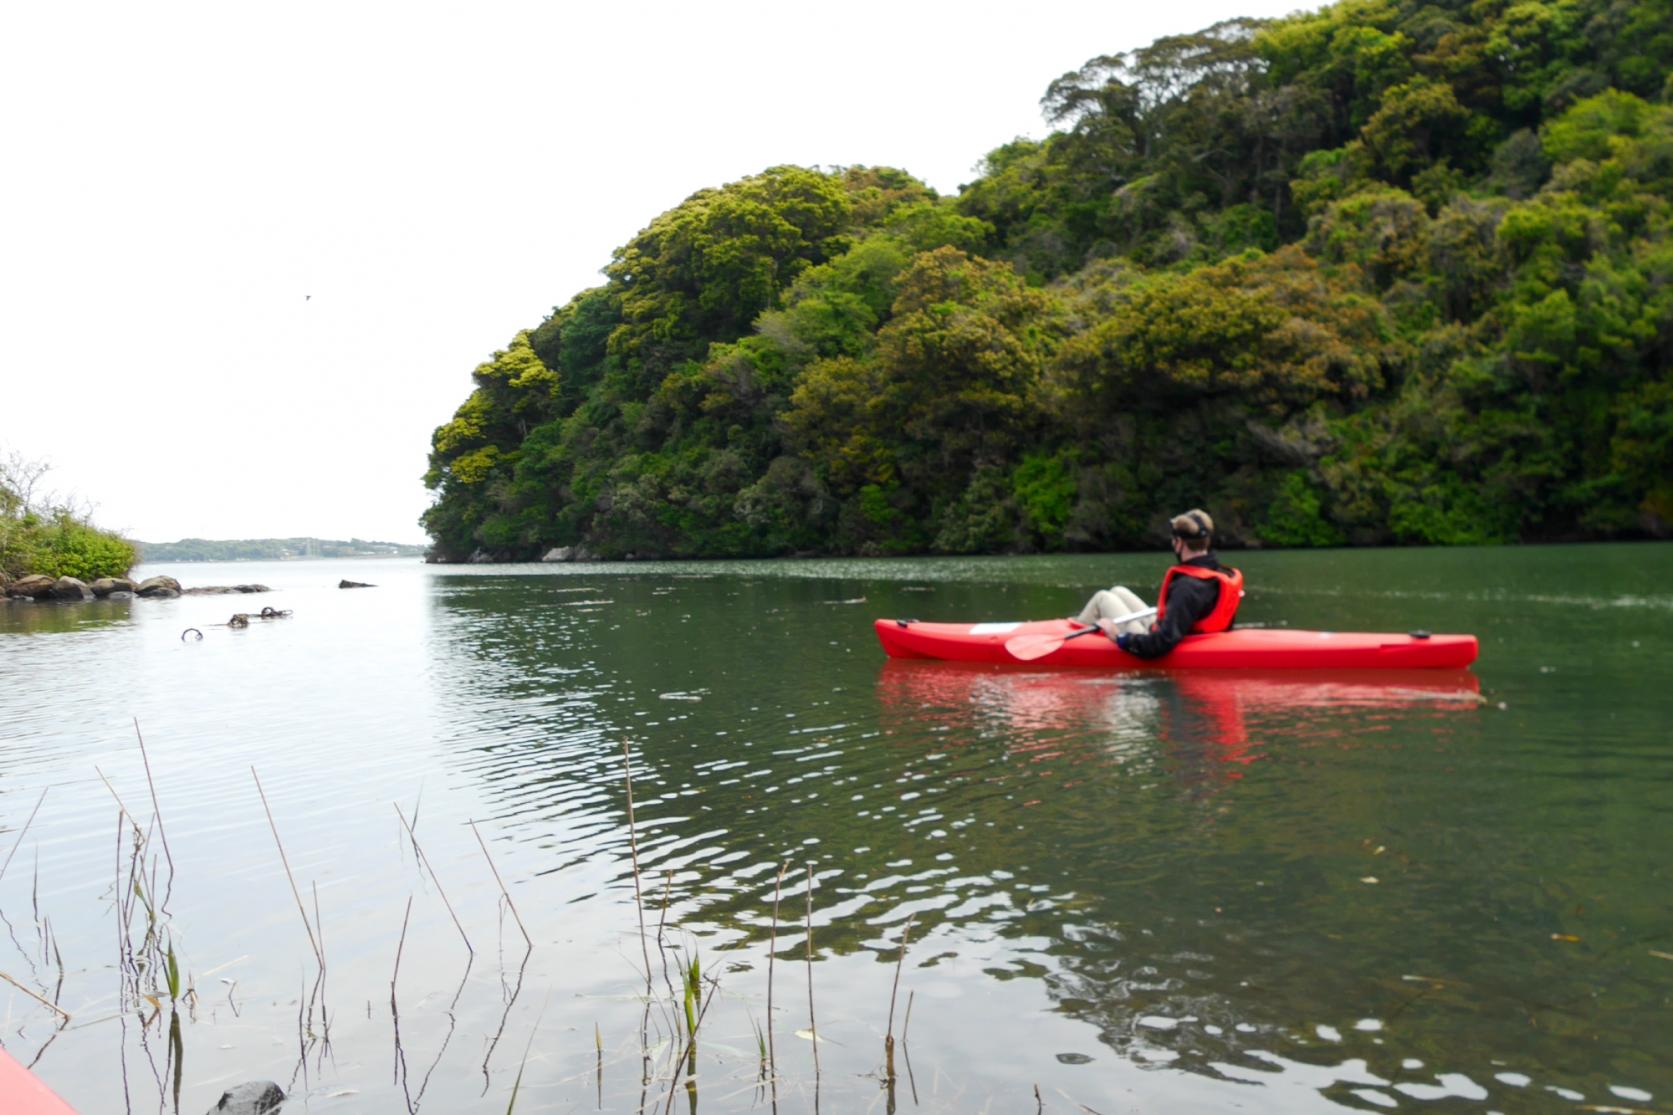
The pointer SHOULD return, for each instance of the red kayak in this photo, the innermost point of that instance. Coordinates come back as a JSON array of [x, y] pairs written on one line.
[[22, 1094], [1249, 648]]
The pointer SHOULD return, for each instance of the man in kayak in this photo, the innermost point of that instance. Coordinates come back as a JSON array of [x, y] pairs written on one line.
[[1198, 595]]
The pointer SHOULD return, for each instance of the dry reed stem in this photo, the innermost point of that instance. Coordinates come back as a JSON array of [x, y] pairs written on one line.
[[772, 950], [116, 898], [452, 1027], [306, 924], [905, 933], [661, 923], [60, 1011], [633, 849], [505, 1017], [394, 977], [113, 792], [527, 939], [812, 1025], [168, 891], [644, 947], [24, 831], [413, 836], [319, 924], [121, 962], [301, 1044], [319, 984], [41, 1052], [417, 805], [889, 1035], [906, 1046]]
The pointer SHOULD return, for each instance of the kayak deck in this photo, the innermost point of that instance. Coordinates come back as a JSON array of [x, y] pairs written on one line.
[[1238, 649]]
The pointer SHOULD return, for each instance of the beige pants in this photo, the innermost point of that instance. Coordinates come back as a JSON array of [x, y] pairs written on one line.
[[1118, 601]]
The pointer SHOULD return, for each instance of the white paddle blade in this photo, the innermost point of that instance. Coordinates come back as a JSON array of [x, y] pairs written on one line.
[[1026, 648]]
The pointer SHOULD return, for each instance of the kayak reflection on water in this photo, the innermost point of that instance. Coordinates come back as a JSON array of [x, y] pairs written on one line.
[[1200, 835], [1215, 721]]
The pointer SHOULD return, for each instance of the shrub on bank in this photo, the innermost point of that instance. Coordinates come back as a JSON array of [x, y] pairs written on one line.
[[54, 540], [62, 545]]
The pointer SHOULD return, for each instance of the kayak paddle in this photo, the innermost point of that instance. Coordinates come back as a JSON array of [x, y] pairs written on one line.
[[1027, 648]]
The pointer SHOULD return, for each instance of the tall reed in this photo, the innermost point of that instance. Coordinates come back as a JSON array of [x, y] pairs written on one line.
[[889, 1036], [812, 1024], [521, 928], [413, 836], [318, 954], [772, 952]]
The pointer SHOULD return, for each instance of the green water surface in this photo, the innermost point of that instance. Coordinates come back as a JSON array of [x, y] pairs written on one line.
[[1154, 892]]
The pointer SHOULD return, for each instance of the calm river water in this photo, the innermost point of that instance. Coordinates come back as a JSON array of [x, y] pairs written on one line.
[[1119, 893]]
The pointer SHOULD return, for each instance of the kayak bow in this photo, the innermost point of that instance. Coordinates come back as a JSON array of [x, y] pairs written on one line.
[[21, 1093]]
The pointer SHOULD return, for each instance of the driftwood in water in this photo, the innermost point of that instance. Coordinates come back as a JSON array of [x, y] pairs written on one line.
[[240, 619]]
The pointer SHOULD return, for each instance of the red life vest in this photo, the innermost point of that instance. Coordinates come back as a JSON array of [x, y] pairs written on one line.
[[1231, 595]]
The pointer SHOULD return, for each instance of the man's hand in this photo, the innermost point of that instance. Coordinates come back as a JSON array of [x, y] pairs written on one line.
[[1110, 628]]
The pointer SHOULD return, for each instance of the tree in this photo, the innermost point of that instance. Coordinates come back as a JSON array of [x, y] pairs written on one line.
[[1275, 332], [703, 271]]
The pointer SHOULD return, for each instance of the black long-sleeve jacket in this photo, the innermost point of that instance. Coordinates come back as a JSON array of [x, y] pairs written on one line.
[[1189, 600]]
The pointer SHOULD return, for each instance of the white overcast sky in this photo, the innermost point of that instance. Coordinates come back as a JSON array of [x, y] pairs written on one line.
[[250, 253]]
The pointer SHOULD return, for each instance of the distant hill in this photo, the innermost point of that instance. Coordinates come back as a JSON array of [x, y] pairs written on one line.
[[271, 549]]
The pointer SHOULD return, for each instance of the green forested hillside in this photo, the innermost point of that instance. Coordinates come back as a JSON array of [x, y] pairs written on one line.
[[1388, 272]]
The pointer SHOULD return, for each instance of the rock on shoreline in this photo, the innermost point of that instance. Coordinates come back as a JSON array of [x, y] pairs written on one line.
[[564, 553], [38, 587], [33, 587]]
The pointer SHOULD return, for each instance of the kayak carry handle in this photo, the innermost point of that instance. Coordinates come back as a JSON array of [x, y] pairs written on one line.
[[1420, 634], [904, 622]]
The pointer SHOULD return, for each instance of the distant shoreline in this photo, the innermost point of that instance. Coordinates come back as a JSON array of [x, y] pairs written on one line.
[[300, 548], [293, 557]]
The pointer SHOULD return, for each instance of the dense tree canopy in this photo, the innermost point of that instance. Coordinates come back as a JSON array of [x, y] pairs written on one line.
[[1391, 271]]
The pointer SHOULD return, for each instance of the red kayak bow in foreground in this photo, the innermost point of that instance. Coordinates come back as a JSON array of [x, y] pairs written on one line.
[[22, 1094]]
